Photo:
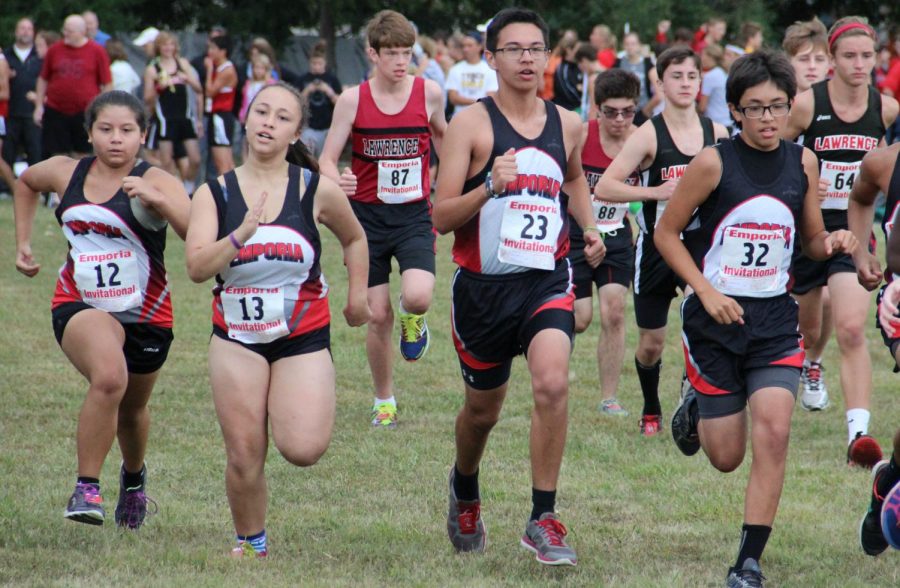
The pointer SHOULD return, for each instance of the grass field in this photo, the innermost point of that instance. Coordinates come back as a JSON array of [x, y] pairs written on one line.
[[372, 511]]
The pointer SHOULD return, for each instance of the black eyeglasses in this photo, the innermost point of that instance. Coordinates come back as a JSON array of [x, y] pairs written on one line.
[[538, 52], [777, 110], [613, 113]]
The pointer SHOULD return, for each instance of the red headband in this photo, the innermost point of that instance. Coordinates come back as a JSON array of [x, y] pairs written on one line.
[[848, 27]]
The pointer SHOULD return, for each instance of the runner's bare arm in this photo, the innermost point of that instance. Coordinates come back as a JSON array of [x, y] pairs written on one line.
[[700, 179], [51, 175], [890, 108], [436, 118], [164, 194], [204, 254], [818, 243], [338, 134], [861, 213], [637, 153], [332, 209], [452, 208], [800, 117]]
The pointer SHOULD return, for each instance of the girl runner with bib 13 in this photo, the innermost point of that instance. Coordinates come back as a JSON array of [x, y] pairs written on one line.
[[254, 229]]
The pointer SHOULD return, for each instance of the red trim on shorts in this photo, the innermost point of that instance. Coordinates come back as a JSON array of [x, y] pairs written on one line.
[[567, 303], [697, 380], [466, 357], [795, 360]]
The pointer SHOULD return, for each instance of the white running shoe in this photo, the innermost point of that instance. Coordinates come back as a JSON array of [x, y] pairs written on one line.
[[814, 395]]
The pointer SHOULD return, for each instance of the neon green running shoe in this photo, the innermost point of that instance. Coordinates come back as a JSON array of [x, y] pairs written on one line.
[[414, 336], [384, 415]]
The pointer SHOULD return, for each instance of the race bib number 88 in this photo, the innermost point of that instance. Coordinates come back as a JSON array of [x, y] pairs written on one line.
[[609, 215]]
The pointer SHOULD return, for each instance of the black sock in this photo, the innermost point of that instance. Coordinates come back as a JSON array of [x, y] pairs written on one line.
[[86, 480], [542, 501], [465, 487], [132, 480], [753, 542], [649, 378]]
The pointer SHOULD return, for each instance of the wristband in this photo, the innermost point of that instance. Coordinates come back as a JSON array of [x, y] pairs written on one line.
[[590, 228], [234, 241], [489, 186]]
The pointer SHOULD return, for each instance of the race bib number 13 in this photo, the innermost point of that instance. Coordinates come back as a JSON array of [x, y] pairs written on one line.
[[254, 315]]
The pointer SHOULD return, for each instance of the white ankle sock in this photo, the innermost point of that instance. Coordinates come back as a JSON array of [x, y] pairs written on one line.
[[857, 422]]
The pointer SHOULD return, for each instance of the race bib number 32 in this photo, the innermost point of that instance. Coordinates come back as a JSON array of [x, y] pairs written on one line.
[[254, 315], [399, 180], [108, 280], [751, 260], [529, 232]]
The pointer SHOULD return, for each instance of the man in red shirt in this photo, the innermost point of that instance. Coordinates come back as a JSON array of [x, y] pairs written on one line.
[[75, 71]]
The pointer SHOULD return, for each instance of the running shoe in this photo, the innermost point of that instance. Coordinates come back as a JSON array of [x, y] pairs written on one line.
[[651, 424], [384, 415], [864, 451], [612, 407], [131, 510], [545, 538], [871, 538], [464, 525], [815, 395], [685, 420], [86, 505], [414, 337], [748, 576], [890, 517], [245, 550]]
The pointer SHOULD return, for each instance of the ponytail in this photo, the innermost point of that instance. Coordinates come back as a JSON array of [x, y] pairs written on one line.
[[299, 154]]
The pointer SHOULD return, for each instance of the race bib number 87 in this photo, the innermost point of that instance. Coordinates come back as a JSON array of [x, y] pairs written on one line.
[[399, 180]]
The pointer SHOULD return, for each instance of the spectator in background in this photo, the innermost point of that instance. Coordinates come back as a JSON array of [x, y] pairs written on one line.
[[22, 134], [751, 36], [428, 68], [661, 41], [604, 42], [43, 40], [93, 28], [320, 89], [471, 78], [712, 93], [220, 88], [123, 75], [146, 40], [732, 52], [586, 59], [74, 72], [261, 75], [683, 36], [635, 62], [567, 79], [569, 38], [172, 93], [710, 33], [6, 173]]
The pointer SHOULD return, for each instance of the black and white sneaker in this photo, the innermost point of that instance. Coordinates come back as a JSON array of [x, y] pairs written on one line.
[[748, 576], [685, 420]]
